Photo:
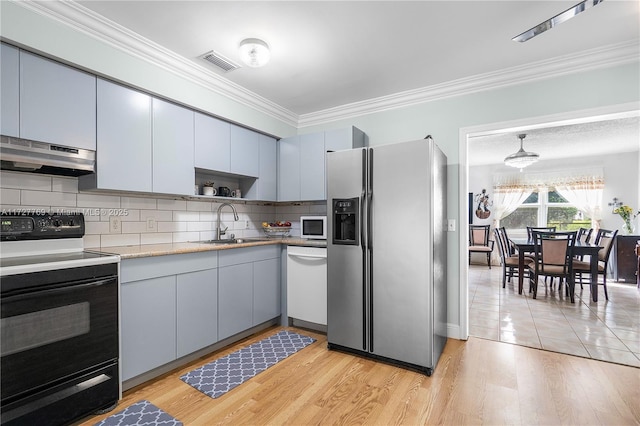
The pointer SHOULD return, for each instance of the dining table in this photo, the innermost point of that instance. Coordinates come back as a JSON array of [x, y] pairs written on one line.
[[580, 248]]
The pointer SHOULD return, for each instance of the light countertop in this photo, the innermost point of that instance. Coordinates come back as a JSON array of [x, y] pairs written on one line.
[[147, 250]]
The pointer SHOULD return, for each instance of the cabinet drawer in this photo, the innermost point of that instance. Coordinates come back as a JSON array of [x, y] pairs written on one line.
[[160, 266], [248, 254]]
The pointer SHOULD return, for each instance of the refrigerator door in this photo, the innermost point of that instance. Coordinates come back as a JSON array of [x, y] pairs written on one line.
[[402, 252], [345, 262]]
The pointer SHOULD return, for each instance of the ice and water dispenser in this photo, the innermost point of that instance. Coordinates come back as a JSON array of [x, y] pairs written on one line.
[[346, 221]]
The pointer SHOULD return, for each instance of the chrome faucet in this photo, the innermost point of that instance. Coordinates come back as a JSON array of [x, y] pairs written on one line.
[[219, 231]]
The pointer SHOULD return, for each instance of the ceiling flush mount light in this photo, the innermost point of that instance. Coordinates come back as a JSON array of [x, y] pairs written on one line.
[[254, 52], [556, 20], [522, 158]]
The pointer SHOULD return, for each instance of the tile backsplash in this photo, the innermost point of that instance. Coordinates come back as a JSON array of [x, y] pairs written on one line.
[[126, 219]]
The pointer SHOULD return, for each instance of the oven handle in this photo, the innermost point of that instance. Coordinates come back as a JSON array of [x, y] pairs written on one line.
[[59, 289]]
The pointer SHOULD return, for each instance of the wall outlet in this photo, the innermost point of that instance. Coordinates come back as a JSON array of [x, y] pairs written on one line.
[[246, 224], [115, 224], [451, 225], [151, 223]]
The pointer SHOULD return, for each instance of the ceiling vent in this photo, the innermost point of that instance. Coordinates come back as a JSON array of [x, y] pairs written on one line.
[[220, 61]]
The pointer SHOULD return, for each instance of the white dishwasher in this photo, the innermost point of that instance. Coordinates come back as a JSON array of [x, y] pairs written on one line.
[[307, 284]]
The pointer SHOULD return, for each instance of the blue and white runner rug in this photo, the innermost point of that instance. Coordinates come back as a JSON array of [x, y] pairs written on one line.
[[142, 413], [220, 376]]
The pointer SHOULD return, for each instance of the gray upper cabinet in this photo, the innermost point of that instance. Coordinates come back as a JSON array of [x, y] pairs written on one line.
[[57, 103], [289, 169], [265, 187], [245, 152], [10, 89], [301, 167], [346, 138], [173, 145], [124, 138], [212, 143], [312, 167]]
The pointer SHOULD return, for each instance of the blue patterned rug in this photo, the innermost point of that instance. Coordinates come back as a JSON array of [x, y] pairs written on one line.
[[142, 413], [220, 376]]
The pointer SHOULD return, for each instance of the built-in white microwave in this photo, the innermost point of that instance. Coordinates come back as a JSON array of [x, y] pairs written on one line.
[[313, 227]]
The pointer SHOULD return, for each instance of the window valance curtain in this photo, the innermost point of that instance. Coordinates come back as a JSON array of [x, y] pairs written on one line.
[[582, 188]]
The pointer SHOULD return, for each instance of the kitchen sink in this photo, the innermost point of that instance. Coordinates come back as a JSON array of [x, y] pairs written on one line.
[[235, 241]]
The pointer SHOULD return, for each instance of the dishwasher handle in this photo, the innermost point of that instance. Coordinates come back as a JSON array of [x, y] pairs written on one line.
[[313, 256]]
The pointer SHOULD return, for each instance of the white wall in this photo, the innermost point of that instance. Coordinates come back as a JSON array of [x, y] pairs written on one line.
[[621, 175]]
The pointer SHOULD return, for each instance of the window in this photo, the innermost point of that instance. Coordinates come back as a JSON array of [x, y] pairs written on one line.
[[546, 208]]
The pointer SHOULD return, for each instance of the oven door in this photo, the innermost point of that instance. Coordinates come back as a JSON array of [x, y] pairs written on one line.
[[57, 325]]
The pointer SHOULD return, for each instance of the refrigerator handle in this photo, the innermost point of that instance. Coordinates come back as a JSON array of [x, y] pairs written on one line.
[[362, 199], [369, 201], [370, 244], [363, 245]]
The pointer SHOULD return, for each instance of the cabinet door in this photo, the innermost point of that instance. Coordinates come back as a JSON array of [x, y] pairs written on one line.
[[268, 178], [57, 103], [212, 143], [312, 167], [235, 299], [173, 171], [338, 139], [148, 321], [10, 89], [266, 290], [124, 138], [245, 152], [289, 169], [197, 310]]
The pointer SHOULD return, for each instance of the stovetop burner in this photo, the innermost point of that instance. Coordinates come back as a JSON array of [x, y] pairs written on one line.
[[38, 241]]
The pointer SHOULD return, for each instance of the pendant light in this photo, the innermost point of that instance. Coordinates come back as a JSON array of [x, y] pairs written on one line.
[[522, 158]]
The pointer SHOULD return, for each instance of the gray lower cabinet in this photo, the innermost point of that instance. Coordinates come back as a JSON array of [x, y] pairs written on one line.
[[266, 290], [235, 306], [174, 305], [168, 309], [197, 314], [249, 288], [148, 318]]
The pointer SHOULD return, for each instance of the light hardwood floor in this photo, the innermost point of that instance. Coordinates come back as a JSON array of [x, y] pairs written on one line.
[[476, 382]]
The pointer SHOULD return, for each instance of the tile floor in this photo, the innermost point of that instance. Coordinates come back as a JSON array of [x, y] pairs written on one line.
[[606, 330]]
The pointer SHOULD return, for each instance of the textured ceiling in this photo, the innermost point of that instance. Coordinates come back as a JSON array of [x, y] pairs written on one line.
[[552, 143]]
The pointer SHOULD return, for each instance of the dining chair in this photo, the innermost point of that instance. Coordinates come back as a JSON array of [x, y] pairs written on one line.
[[509, 260], [584, 235], [553, 258], [532, 229], [479, 241], [604, 239]]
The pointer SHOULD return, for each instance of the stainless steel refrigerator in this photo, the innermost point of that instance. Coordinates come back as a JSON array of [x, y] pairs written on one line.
[[386, 257]]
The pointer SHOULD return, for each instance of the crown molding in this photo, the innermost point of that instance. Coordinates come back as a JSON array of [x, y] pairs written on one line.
[[608, 56], [84, 20], [96, 26]]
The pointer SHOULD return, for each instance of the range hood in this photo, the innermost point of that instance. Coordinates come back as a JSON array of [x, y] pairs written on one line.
[[39, 157]]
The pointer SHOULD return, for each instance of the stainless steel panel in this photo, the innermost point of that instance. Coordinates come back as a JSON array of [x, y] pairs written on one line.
[[439, 206], [402, 254], [345, 263]]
